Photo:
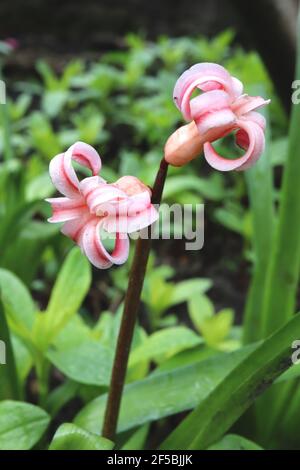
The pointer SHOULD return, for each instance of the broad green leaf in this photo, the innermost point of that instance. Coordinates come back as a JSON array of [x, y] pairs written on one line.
[[234, 220], [18, 304], [184, 290], [217, 328], [185, 358], [139, 369], [53, 102], [21, 425], [281, 285], [23, 357], [73, 334], [61, 395], [200, 308], [88, 362], [287, 423], [231, 397], [82, 357], [39, 188], [138, 439], [9, 383], [70, 288], [234, 442], [71, 437], [261, 190], [165, 393], [164, 344], [29, 247], [43, 137]]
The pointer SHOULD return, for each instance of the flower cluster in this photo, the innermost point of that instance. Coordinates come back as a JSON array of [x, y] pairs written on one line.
[[220, 109], [91, 206]]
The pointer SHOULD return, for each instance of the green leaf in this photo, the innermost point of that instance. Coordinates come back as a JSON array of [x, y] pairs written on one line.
[[261, 195], [164, 344], [23, 357], [9, 383], [21, 425], [200, 308], [217, 328], [184, 290], [89, 362], [138, 439], [71, 437], [233, 442], [165, 393], [39, 187], [29, 247], [73, 334], [67, 295], [233, 219], [18, 303], [232, 396], [53, 102], [60, 396], [43, 137], [283, 275]]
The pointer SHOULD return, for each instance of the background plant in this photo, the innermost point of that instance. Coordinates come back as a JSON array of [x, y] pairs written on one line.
[[191, 349]]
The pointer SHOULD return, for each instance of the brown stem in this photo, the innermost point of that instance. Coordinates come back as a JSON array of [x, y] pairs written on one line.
[[131, 306]]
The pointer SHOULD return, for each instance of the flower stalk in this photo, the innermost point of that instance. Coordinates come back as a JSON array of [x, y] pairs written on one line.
[[131, 307]]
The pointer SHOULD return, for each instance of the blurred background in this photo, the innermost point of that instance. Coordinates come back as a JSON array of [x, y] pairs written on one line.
[[75, 71], [103, 72]]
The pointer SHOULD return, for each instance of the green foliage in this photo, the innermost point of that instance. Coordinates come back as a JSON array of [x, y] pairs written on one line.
[[60, 329], [233, 442], [21, 425], [71, 437], [236, 392], [70, 288], [164, 393]]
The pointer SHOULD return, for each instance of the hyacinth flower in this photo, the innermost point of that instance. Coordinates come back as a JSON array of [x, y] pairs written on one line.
[[221, 108], [127, 205], [91, 206]]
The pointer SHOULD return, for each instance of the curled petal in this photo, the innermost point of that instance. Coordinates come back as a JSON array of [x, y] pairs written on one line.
[[95, 251], [255, 148], [62, 172], [212, 114], [238, 87], [245, 104], [137, 217], [205, 76], [142, 219], [74, 228], [135, 204], [257, 118], [242, 138], [65, 209], [63, 176], [101, 198], [87, 156]]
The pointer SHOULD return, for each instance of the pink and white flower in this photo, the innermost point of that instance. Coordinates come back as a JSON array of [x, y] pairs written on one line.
[[91, 205], [221, 109]]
